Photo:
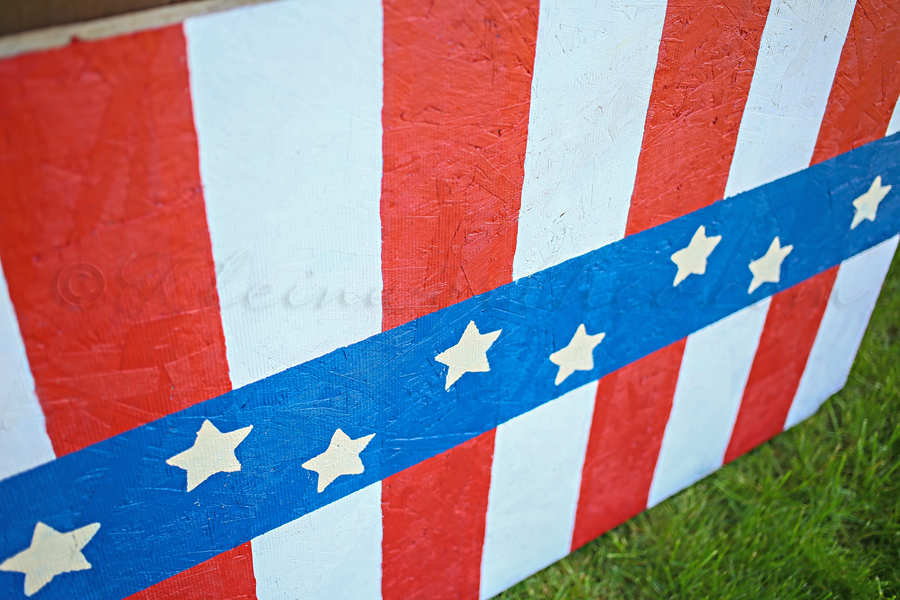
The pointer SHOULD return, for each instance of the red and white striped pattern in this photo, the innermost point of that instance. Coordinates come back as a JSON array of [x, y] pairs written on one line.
[[221, 200]]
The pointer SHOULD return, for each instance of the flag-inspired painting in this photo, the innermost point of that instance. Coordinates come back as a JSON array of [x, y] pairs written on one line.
[[410, 298]]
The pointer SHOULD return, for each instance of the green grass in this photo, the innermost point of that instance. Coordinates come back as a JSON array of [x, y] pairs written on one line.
[[814, 513]]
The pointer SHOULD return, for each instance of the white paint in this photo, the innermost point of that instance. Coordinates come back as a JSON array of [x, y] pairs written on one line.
[[24, 443], [51, 553], [535, 483], [593, 74], [333, 552], [714, 371], [867, 205], [578, 355], [340, 458], [469, 355], [287, 103], [798, 57], [846, 317], [211, 453], [894, 125], [691, 260], [767, 268]]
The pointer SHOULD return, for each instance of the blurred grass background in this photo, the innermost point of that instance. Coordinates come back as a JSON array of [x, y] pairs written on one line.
[[814, 513]]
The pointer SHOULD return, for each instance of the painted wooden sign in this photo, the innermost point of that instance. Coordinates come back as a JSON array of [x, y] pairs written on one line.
[[408, 299]]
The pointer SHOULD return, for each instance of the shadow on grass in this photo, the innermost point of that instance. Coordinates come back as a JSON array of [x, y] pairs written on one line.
[[814, 513]]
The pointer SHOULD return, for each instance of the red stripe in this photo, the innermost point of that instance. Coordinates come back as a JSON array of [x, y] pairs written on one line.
[[706, 61], [771, 385], [865, 90], [630, 415], [457, 81], [105, 247]]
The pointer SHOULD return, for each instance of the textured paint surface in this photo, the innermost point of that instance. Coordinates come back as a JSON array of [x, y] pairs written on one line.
[[290, 153], [704, 68], [772, 382], [331, 553], [434, 523], [23, 436], [862, 97], [853, 297], [706, 62], [228, 576], [295, 413], [593, 73], [798, 56], [867, 82], [714, 370], [104, 240], [627, 427], [535, 481], [457, 79]]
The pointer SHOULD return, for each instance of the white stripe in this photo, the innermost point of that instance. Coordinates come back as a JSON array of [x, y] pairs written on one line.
[[287, 102], [534, 489], [798, 57], [894, 125], [846, 317], [714, 371], [318, 556], [593, 74], [24, 443]]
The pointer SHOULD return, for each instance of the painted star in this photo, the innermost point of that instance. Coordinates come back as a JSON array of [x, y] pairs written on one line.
[[469, 355], [867, 205], [578, 355], [212, 452], [767, 269], [51, 553], [692, 259], [341, 458]]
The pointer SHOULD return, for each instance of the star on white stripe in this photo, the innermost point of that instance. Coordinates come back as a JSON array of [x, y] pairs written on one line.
[[51, 553], [867, 205], [212, 452], [469, 355], [578, 355], [767, 268], [341, 458], [692, 259]]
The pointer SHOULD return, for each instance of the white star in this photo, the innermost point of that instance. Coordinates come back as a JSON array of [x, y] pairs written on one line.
[[578, 355], [867, 205], [469, 355], [212, 452], [341, 458], [767, 269], [51, 553], [692, 259]]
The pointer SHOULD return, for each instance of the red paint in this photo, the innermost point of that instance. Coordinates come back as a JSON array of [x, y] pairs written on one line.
[[779, 362], [457, 83], [103, 237], [228, 576], [865, 90], [703, 73], [434, 524], [706, 62], [867, 82], [630, 416], [105, 247]]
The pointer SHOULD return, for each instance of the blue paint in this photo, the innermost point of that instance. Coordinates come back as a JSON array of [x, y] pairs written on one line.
[[391, 385]]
